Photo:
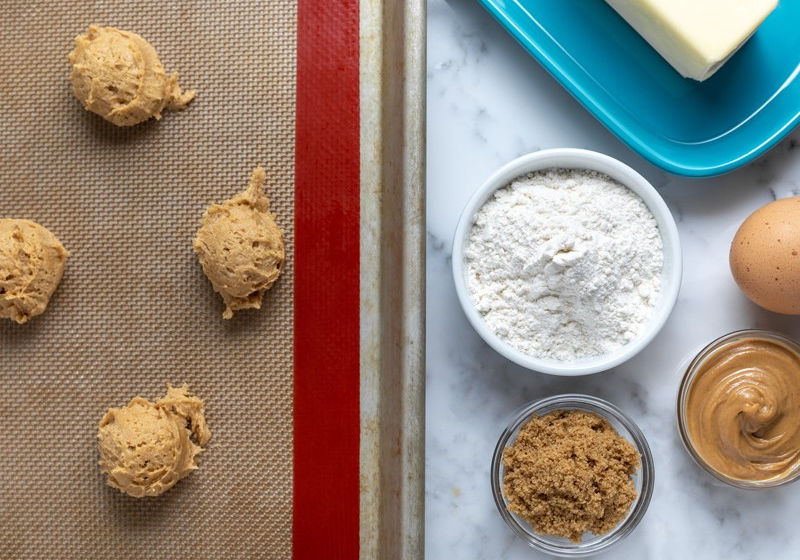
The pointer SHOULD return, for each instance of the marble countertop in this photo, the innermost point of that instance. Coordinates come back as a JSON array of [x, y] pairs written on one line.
[[488, 102]]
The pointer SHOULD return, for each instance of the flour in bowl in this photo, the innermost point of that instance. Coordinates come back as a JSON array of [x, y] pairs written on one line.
[[565, 264]]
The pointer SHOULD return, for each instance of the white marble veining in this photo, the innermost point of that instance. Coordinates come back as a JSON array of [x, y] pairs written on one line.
[[488, 102]]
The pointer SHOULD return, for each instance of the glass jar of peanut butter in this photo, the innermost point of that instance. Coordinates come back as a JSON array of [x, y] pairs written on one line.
[[739, 409]]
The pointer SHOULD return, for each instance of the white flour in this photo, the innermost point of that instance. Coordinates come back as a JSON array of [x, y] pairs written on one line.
[[565, 264]]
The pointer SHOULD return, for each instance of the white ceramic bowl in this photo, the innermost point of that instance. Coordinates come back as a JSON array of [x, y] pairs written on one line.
[[568, 158]]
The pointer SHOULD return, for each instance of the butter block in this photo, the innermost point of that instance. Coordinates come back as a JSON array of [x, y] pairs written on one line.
[[695, 36]]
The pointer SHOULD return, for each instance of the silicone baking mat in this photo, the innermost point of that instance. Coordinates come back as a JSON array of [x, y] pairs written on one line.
[[134, 310]]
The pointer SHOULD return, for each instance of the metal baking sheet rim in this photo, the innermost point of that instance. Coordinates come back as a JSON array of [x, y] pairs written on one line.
[[392, 113]]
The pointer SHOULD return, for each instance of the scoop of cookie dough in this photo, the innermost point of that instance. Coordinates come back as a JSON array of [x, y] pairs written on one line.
[[31, 266], [240, 247], [145, 447], [118, 75]]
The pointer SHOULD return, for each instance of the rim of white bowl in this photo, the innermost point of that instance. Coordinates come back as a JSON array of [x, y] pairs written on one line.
[[573, 158]]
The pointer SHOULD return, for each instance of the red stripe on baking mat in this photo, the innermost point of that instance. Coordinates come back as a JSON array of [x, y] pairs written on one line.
[[326, 353]]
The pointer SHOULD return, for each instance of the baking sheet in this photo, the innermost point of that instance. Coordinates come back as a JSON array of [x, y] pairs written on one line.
[[134, 310], [392, 278]]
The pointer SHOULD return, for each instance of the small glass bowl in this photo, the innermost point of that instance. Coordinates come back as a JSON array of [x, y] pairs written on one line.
[[683, 395], [643, 478]]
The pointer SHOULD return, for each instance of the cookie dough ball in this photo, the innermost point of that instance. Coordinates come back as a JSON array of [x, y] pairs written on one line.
[[240, 247], [31, 266], [145, 447], [118, 75]]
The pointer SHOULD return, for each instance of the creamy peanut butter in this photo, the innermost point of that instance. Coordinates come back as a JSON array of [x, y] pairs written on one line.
[[742, 410]]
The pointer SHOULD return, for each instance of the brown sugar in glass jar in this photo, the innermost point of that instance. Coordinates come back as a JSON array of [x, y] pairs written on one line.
[[642, 477]]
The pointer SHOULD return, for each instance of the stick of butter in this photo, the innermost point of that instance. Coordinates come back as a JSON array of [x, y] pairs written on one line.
[[695, 36]]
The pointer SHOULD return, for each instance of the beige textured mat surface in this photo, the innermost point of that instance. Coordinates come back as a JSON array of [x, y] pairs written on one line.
[[134, 309]]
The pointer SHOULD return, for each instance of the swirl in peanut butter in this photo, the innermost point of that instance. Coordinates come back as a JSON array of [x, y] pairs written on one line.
[[743, 410]]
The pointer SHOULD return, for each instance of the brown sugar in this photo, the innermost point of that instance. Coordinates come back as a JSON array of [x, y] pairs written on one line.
[[569, 472]]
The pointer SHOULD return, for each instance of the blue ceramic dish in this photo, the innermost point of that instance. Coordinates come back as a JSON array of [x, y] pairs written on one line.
[[690, 128]]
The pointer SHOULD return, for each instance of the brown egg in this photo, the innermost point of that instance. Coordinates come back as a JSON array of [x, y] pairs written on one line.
[[765, 256]]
